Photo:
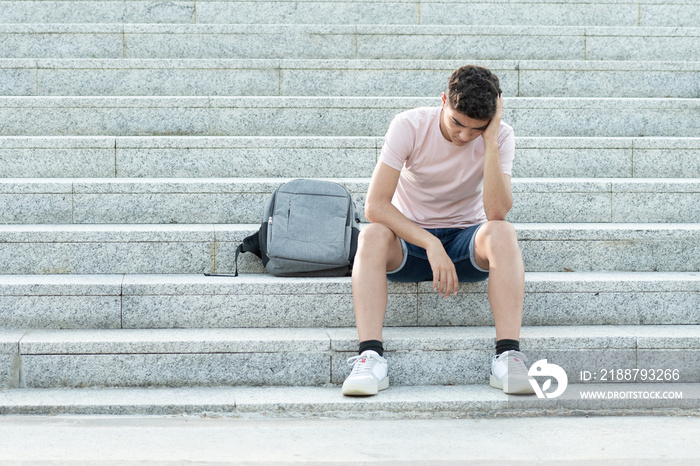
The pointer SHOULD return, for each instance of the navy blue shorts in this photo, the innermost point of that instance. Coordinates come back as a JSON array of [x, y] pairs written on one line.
[[459, 245]]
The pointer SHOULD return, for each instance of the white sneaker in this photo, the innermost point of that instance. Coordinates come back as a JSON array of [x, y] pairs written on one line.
[[508, 372], [368, 376]]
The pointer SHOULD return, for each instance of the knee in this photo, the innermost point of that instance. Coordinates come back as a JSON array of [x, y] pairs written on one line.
[[375, 238], [499, 232]]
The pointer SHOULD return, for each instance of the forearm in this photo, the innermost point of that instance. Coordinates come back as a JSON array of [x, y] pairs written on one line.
[[498, 199], [388, 215]]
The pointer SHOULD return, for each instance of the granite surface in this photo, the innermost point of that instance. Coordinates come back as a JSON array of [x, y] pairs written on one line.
[[157, 82], [669, 337], [656, 207], [318, 116], [608, 83], [245, 162], [175, 370], [106, 257], [208, 248], [52, 358], [517, 13], [192, 301], [184, 285], [552, 308], [9, 340], [417, 339], [17, 82], [56, 163], [291, 310], [32, 312], [591, 337], [648, 47], [381, 83], [340, 77], [165, 208], [345, 41], [619, 255], [56, 143], [232, 156], [71, 285], [564, 162], [671, 366], [9, 371], [36, 208], [209, 42], [289, 401], [669, 163], [175, 341], [399, 399], [349, 77], [244, 142], [112, 233], [9, 357], [240, 200], [560, 207], [307, 12], [68, 44], [411, 44], [674, 15], [148, 64], [98, 12]]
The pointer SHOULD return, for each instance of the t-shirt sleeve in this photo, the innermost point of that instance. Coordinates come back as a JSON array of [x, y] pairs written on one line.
[[398, 143], [506, 148]]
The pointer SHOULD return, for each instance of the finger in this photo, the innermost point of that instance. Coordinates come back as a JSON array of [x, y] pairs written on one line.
[[448, 284], [437, 283], [441, 282], [448, 288]]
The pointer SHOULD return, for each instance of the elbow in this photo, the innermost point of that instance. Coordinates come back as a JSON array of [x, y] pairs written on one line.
[[375, 210], [370, 212]]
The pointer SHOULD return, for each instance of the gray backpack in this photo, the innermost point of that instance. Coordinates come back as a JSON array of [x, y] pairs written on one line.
[[308, 228]]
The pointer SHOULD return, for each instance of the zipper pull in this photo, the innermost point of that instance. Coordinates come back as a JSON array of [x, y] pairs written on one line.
[[269, 221]]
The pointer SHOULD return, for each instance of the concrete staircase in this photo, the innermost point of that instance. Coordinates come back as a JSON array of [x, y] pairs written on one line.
[[139, 140]]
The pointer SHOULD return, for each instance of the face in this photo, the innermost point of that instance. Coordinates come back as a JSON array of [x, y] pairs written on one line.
[[458, 128]]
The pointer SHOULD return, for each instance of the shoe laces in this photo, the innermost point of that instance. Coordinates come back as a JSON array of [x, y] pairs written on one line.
[[364, 363]]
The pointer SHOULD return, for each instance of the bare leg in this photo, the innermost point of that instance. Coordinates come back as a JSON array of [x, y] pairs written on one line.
[[496, 249], [379, 251]]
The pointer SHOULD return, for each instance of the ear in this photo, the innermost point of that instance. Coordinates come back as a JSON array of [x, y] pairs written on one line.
[[444, 99]]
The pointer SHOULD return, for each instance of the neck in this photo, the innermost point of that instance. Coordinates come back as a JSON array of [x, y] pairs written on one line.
[[442, 126]]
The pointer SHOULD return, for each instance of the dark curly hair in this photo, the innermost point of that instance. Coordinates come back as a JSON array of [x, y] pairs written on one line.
[[473, 91]]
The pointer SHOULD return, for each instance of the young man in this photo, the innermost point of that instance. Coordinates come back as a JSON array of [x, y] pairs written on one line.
[[437, 204]]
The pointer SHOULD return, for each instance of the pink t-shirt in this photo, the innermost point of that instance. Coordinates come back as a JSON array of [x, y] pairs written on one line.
[[441, 184]]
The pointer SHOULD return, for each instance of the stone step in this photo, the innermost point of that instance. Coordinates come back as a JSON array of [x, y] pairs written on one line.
[[265, 301], [318, 157], [349, 77], [590, 13], [193, 249], [329, 116], [317, 356], [466, 42], [681, 399], [242, 200]]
